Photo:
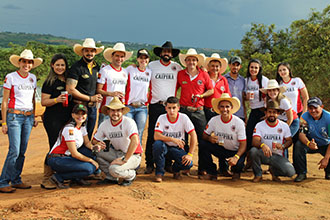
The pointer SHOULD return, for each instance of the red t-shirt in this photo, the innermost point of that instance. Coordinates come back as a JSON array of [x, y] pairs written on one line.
[[220, 86]]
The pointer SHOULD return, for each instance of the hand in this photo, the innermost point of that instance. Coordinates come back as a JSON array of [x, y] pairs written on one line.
[[4, 129], [61, 98], [313, 145], [118, 161], [213, 139], [95, 163], [35, 123], [96, 98], [267, 151], [323, 163], [102, 145], [186, 159], [179, 142], [232, 161], [118, 94], [279, 146]]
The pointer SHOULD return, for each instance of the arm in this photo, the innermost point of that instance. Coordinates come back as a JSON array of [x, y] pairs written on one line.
[[325, 160], [232, 161], [160, 137], [71, 88], [305, 96], [130, 151], [311, 144], [207, 93], [186, 159], [106, 93], [35, 122], [210, 138], [75, 154], [47, 101], [4, 108], [289, 115], [256, 142]]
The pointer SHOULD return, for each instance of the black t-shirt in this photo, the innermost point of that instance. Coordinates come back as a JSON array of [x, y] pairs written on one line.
[[57, 110], [86, 81]]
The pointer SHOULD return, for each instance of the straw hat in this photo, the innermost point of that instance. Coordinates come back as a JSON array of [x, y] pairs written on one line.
[[273, 84], [115, 104], [26, 54], [88, 43], [226, 97], [166, 45], [118, 47], [216, 56], [191, 53]]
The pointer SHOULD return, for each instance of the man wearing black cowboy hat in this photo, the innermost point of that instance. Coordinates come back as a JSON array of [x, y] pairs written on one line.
[[163, 82]]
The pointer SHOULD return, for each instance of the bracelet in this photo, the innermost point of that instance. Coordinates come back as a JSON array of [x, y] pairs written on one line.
[[308, 142], [4, 123], [261, 145], [90, 98], [236, 155], [55, 100], [190, 154], [202, 96]]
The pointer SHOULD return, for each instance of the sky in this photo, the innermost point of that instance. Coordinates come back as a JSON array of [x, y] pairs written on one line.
[[217, 24]]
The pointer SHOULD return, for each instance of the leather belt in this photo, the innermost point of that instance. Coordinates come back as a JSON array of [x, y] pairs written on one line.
[[20, 112], [57, 155], [192, 109], [88, 104], [136, 104]]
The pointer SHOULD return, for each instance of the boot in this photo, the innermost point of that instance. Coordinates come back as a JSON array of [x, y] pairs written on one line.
[[46, 183]]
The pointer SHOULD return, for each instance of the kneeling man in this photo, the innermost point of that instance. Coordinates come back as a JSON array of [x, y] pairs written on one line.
[[224, 137], [124, 154], [169, 138], [270, 138]]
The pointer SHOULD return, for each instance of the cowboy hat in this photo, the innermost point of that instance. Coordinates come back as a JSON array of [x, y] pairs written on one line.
[[216, 56], [88, 43], [191, 53], [115, 104], [27, 55], [273, 84], [273, 105], [118, 47], [166, 45], [226, 97]]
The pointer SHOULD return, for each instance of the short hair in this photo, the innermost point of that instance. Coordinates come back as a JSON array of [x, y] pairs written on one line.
[[172, 100]]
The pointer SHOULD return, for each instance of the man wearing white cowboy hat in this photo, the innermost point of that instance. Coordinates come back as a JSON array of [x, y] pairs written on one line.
[[236, 84], [270, 138], [224, 137], [164, 74], [123, 156], [195, 85], [82, 80], [113, 78], [216, 66]]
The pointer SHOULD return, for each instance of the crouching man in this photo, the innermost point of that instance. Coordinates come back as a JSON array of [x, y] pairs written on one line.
[[124, 154], [169, 138], [270, 138]]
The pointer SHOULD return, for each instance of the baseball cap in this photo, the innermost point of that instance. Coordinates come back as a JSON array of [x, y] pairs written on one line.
[[235, 59], [79, 107], [142, 52], [314, 101]]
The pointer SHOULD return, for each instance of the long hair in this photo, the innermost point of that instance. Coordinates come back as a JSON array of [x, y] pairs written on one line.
[[278, 77], [279, 97], [259, 76], [52, 76]]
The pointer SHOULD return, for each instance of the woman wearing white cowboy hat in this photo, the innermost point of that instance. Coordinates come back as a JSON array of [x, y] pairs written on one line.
[[275, 92], [195, 85], [18, 106], [216, 66]]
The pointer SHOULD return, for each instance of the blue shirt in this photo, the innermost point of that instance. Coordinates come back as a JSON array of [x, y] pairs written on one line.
[[236, 87], [318, 129]]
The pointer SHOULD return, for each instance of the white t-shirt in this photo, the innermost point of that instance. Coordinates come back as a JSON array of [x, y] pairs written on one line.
[[163, 80], [119, 134], [268, 134], [69, 134], [137, 85], [253, 86], [232, 131], [293, 88], [112, 80], [175, 129], [21, 90], [285, 104]]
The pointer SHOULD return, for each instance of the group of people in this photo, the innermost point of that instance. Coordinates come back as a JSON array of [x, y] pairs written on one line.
[[95, 118]]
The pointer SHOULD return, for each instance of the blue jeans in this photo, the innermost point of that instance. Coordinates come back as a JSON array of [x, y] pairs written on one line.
[[91, 120], [160, 149], [299, 156], [279, 165], [69, 168], [139, 115], [19, 129]]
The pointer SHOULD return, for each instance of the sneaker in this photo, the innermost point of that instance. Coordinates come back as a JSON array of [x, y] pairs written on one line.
[[236, 176], [185, 172], [107, 182], [226, 173], [205, 176], [59, 184], [274, 178], [149, 170], [21, 186], [7, 189], [127, 182], [257, 179], [177, 176], [47, 184], [158, 178], [300, 177], [80, 182]]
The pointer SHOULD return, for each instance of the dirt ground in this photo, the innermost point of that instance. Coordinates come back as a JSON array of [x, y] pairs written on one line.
[[189, 198]]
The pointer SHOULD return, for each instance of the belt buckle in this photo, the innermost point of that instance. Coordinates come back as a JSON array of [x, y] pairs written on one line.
[[91, 104], [136, 104], [191, 109]]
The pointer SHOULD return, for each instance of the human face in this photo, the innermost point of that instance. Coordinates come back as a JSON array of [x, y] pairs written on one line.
[[172, 110], [271, 115], [315, 112], [225, 108], [89, 54], [191, 62], [118, 59], [143, 61], [235, 67], [166, 54], [214, 67], [284, 72], [59, 67], [79, 117], [254, 69], [273, 93], [25, 65], [115, 115]]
